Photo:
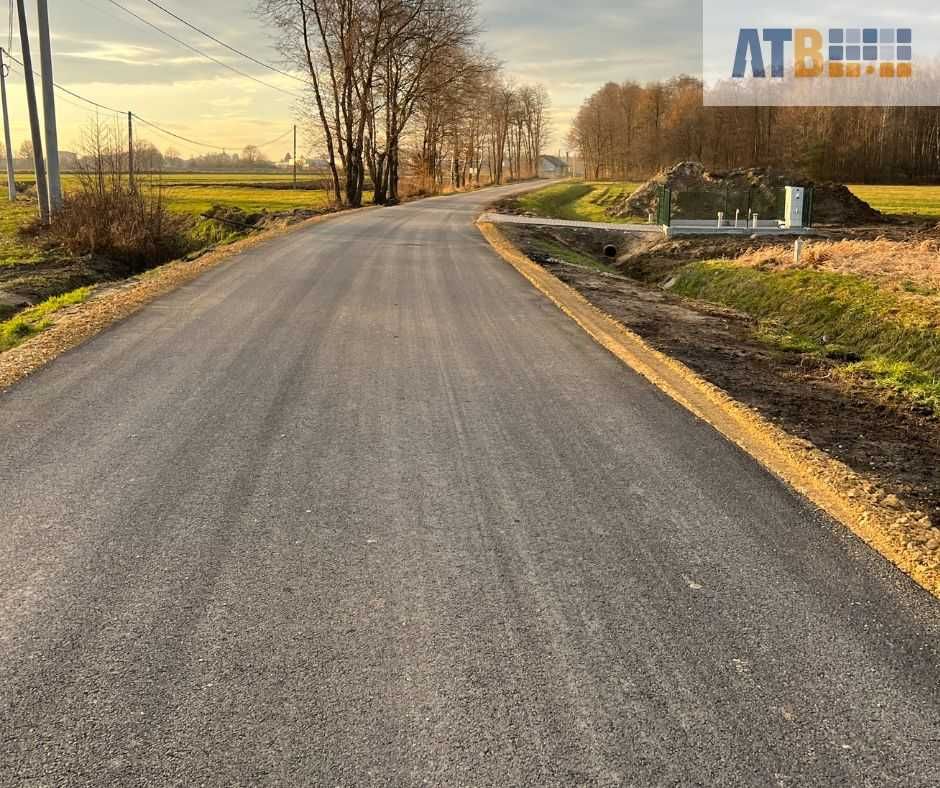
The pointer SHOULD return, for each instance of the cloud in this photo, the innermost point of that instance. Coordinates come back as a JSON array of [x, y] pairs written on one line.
[[571, 48]]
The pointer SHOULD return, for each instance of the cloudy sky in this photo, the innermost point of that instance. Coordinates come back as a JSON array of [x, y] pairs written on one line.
[[104, 53]]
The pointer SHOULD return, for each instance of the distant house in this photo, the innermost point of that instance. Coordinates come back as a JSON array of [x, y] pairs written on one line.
[[553, 167]]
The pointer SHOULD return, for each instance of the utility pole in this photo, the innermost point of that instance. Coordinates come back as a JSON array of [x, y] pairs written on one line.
[[11, 181], [294, 160], [38, 163], [130, 150], [48, 108]]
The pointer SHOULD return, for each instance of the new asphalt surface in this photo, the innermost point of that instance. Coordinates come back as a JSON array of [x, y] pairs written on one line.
[[361, 507]]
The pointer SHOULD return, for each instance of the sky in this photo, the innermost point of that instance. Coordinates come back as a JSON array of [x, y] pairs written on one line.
[[103, 53]]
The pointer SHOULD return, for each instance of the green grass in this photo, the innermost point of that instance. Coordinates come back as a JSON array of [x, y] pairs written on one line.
[[33, 320], [585, 201], [905, 200], [891, 338], [198, 199], [15, 249], [562, 252], [70, 179]]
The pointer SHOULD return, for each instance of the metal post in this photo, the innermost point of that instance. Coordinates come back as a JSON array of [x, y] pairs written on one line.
[[130, 150], [11, 179], [48, 108], [295, 156], [35, 133]]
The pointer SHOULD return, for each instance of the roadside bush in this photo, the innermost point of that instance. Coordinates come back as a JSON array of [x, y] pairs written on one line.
[[108, 215], [128, 225]]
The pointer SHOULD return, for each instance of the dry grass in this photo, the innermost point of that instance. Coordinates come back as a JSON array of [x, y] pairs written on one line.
[[909, 266], [875, 304]]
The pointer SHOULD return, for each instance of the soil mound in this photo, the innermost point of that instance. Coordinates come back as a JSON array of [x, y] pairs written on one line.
[[698, 193]]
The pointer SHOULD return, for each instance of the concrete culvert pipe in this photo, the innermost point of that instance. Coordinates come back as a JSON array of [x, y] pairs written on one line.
[[610, 250]]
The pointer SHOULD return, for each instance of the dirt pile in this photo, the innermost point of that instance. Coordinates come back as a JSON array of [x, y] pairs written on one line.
[[238, 219], [698, 193]]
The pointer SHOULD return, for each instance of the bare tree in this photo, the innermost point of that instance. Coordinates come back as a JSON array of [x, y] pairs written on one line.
[[251, 155], [381, 72]]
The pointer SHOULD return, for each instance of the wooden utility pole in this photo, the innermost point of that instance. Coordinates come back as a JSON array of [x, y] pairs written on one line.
[[294, 160], [130, 150], [11, 180], [34, 130], [48, 108]]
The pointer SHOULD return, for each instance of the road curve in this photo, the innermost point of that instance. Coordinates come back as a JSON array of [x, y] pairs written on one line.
[[363, 508]]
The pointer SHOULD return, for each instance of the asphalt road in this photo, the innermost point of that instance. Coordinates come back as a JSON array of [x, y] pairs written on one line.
[[364, 508]]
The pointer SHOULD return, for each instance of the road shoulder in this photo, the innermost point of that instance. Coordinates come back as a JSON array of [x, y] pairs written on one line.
[[829, 484]]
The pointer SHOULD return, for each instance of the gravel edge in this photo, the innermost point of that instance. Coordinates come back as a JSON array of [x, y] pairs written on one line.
[[879, 520]]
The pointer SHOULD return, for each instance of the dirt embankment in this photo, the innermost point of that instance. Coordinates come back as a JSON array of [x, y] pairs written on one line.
[[698, 193], [886, 439]]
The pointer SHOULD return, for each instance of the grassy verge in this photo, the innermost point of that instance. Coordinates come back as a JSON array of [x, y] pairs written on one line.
[[585, 201], [33, 320], [14, 248], [888, 337]]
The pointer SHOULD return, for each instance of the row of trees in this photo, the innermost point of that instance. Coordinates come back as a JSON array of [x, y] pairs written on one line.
[[401, 84], [630, 130], [149, 158]]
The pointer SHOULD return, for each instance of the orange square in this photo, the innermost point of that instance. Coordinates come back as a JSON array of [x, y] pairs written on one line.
[[853, 69], [904, 69], [836, 69], [886, 70]]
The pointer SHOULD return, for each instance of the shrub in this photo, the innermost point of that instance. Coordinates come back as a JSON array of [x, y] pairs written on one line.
[[128, 225]]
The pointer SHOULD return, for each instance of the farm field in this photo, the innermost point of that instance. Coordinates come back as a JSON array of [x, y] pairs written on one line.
[[197, 192], [198, 199], [184, 178], [901, 200]]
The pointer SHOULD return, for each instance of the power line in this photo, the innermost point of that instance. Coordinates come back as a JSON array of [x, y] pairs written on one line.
[[69, 92], [174, 134], [201, 53], [82, 107], [229, 47], [137, 117], [276, 139]]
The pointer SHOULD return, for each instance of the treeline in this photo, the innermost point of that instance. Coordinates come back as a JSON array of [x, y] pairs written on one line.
[[482, 129], [400, 87], [148, 158], [630, 131]]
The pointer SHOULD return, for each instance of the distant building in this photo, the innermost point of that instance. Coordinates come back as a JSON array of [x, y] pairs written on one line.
[[553, 167]]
